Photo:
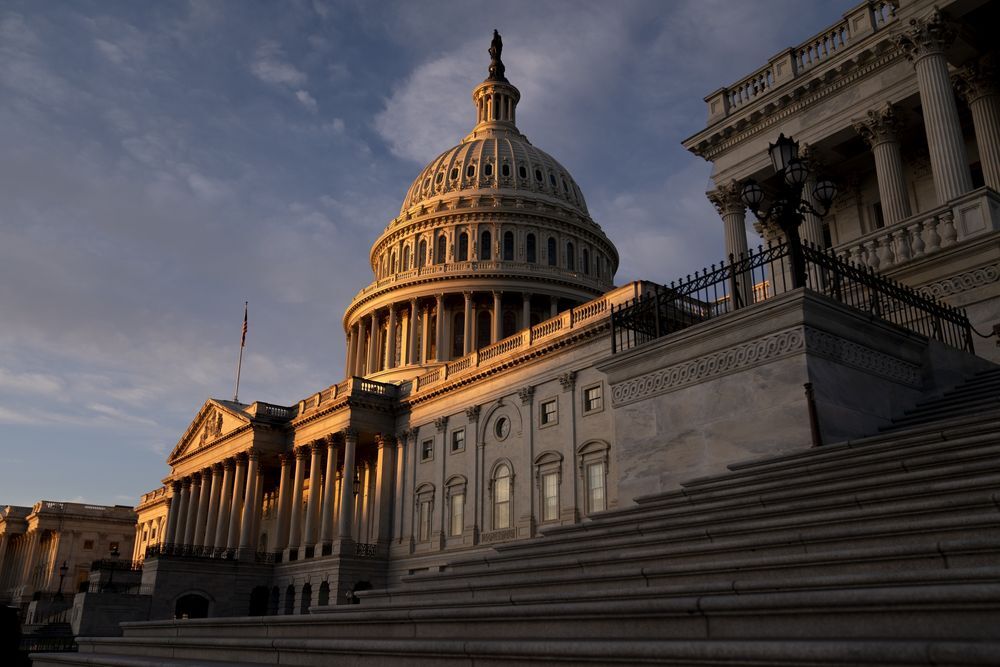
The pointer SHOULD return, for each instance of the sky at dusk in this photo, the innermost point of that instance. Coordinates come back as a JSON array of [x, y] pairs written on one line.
[[163, 162]]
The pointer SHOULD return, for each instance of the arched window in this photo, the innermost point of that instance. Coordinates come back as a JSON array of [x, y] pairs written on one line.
[[440, 249], [458, 334], [553, 256], [289, 600], [324, 594], [306, 599], [486, 245], [191, 605], [463, 247], [483, 326], [394, 267], [586, 262], [502, 505], [570, 257], [272, 604], [258, 601], [505, 169], [406, 258], [422, 253], [522, 172], [508, 324], [530, 250], [508, 246]]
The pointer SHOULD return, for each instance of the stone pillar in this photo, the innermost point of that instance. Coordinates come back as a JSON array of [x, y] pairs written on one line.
[[315, 490], [439, 318], [525, 310], [390, 343], [497, 312], [924, 44], [172, 509], [425, 334], [400, 480], [373, 345], [728, 202], [977, 83], [359, 351], [204, 498], [383, 489], [351, 345], [347, 485], [236, 508], [247, 539], [467, 325], [879, 130], [213, 506], [284, 503], [191, 521], [412, 357], [4, 543], [31, 554], [295, 511], [225, 498], [326, 520], [182, 510]]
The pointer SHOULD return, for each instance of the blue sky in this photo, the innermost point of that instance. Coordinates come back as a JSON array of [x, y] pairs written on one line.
[[163, 162]]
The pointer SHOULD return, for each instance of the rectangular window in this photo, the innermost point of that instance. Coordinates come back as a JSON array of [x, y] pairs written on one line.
[[88, 544], [550, 496], [427, 450], [457, 513], [595, 488], [152, 535], [425, 520], [593, 399], [145, 535], [878, 219], [550, 412], [458, 440]]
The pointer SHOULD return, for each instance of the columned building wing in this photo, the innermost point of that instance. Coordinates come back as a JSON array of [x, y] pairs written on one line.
[[898, 103]]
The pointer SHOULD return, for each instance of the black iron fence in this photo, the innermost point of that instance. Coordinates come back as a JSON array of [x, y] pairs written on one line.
[[190, 551], [116, 564], [761, 275], [125, 588], [47, 644]]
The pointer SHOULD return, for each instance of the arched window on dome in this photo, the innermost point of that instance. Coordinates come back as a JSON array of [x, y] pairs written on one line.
[[586, 262], [505, 170], [508, 324], [531, 251], [422, 253], [393, 267], [483, 325], [458, 334], [406, 258], [553, 255], [522, 171], [502, 505], [508, 246], [463, 247], [570, 257], [440, 249], [486, 245]]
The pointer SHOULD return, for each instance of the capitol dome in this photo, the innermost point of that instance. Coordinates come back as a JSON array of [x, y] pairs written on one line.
[[493, 236]]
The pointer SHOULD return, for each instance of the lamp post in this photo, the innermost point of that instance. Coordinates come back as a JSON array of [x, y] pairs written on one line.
[[63, 569], [786, 207], [114, 557]]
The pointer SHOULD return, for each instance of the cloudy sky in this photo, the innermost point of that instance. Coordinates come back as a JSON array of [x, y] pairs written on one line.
[[160, 163]]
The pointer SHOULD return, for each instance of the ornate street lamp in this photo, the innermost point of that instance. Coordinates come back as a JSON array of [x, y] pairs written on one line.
[[114, 557], [787, 207], [357, 483], [63, 569]]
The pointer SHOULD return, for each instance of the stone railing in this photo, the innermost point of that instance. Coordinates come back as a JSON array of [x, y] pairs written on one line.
[[918, 236], [862, 21], [498, 536], [259, 408], [585, 314], [351, 386], [152, 496], [473, 267]]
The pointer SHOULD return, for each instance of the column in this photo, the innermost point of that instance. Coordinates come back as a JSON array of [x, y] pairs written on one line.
[[400, 479], [31, 553], [425, 334], [924, 44], [373, 345], [314, 493], [258, 504], [203, 502], [977, 83], [284, 500], [879, 130], [182, 508], [439, 328], [347, 485], [225, 498], [525, 310], [729, 203], [383, 490], [295, 510], [326, 520], [213, 506], [172, 505], [390, 343], [236, 508], [247, 538], [191, 520], [495, 333], [359, 351], [412, 357], [350, 362], [4, 542], [467, 328]]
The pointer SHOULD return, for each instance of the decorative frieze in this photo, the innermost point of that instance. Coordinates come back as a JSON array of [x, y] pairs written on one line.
[[962, 282], [862, 357]]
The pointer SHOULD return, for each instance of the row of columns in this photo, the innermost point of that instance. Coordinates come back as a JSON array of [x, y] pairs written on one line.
[[365, 356], [148, 533], [217, 507], [16, 567], [924, 44]]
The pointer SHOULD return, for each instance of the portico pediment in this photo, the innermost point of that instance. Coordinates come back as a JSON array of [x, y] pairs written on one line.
[[215, 420]]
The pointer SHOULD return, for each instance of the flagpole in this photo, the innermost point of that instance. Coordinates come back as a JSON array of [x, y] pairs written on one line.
[[243, 342]]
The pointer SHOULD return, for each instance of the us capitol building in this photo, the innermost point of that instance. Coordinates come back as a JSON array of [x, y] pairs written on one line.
[[517, 439]]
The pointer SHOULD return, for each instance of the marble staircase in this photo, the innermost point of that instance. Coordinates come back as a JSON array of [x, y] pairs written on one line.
[[877, 551]]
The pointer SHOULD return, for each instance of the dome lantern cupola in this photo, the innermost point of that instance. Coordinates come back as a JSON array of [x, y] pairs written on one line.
[[495, 98]]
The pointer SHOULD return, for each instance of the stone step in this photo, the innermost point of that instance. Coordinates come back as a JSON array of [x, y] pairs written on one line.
[[488, 653], [956, 406]]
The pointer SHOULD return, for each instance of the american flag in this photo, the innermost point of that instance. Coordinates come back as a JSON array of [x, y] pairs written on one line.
[[243, 341]]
